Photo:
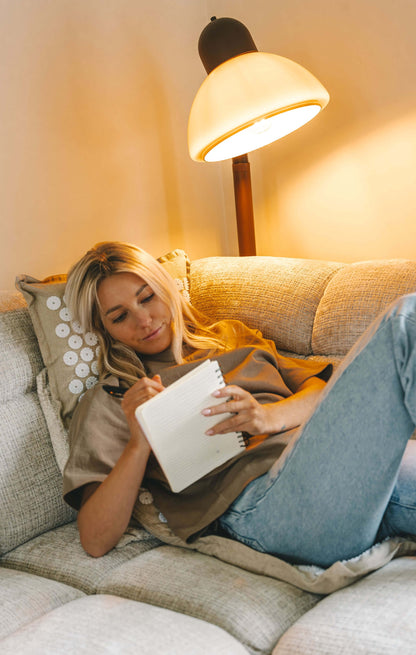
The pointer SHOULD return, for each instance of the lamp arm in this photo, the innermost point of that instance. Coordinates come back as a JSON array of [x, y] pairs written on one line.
[[244, 206]]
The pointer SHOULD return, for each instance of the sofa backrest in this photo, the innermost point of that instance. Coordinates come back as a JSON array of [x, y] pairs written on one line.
[[354, 296], [30, 481], [278, 295], [308, 307]]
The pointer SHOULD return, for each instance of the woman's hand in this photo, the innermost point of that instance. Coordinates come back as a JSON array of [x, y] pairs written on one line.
[[252, 417], [142, 390], [248, 414]]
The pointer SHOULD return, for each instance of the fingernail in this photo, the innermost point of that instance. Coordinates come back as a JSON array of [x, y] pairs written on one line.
[[209, 432], [206, 412]]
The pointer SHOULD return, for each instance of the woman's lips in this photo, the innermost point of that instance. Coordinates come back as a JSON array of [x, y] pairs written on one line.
[[153, 334]]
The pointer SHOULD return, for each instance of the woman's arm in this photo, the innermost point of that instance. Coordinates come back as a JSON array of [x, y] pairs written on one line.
[[106, 507], [252, 417]]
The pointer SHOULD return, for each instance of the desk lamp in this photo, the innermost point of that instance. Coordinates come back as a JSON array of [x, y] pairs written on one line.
[[248, 100]]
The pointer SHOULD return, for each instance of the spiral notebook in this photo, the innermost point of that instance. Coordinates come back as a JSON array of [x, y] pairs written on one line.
[[175, 428]]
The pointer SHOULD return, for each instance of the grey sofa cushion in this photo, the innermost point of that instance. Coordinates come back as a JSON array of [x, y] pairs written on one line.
[[58, 554], [375, 615], [26, 597], [253, 608], [110, 625]]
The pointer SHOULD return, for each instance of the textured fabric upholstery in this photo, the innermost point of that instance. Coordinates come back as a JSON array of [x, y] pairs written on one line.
[[111, 626], [376, 615], [11, 300], [355, 295], [243, 603], [253, 608], [30, 482], [20, 356], [277, 295], [58, 554], [26, 597]]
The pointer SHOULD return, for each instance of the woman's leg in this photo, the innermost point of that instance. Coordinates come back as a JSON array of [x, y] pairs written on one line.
[[400, 515], [325, 498]]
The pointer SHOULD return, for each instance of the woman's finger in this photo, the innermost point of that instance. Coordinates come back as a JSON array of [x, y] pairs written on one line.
[[231, 391], [142, 390], [236, 423], [237, 400]]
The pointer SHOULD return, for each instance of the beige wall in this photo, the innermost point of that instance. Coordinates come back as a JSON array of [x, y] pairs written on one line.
[[344, 186], [93, 115], [94, 104]]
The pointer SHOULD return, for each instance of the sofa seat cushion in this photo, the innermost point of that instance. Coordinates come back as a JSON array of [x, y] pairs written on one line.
[[255, 609], [110, 625], [26, 597], [58, 554], [375, 615]]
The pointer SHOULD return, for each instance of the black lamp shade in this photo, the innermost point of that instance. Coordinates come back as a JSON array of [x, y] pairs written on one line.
[[222, 39]]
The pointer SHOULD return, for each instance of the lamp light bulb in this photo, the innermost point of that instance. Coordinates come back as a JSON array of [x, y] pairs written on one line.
[[262, 132]]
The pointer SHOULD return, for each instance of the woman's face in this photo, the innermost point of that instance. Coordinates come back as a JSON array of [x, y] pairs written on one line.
[[133, 314]]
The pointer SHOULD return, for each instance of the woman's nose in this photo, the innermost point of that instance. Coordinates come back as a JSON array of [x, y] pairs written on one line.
[[143, 317]]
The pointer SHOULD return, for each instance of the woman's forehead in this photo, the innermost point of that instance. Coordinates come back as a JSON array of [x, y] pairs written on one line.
[[120, 285]]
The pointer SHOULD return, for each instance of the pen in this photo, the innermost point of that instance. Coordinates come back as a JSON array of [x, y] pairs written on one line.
[[118, 392]]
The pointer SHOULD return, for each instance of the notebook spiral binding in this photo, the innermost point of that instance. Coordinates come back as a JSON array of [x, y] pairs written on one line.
[[243, 437], [219, 374]]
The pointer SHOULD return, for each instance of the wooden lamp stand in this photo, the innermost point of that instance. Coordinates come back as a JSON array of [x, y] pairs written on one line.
[[244, 206]]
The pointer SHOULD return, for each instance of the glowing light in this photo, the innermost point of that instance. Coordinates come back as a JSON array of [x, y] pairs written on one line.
[[262, 132]]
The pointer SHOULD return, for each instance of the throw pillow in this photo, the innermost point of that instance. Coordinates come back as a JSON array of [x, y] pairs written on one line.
[[70, 356]]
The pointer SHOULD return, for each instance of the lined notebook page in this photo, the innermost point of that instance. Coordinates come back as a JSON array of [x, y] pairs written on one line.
[[175, 428]]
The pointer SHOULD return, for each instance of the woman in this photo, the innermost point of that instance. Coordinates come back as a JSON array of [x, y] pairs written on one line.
[[311, 494]]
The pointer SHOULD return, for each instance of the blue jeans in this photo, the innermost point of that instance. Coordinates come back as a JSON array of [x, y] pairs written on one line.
[[348, 478]]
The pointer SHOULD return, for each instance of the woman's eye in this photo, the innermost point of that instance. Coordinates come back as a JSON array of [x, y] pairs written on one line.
[[120, 318], [148, 298]]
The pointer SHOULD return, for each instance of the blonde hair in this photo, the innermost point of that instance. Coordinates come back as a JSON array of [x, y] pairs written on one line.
[[109, 258]]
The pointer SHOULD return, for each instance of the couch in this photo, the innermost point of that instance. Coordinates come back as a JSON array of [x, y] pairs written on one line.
[[152, 593]]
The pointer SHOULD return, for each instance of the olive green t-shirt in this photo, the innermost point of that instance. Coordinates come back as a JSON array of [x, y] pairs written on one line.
[[99, 431]]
